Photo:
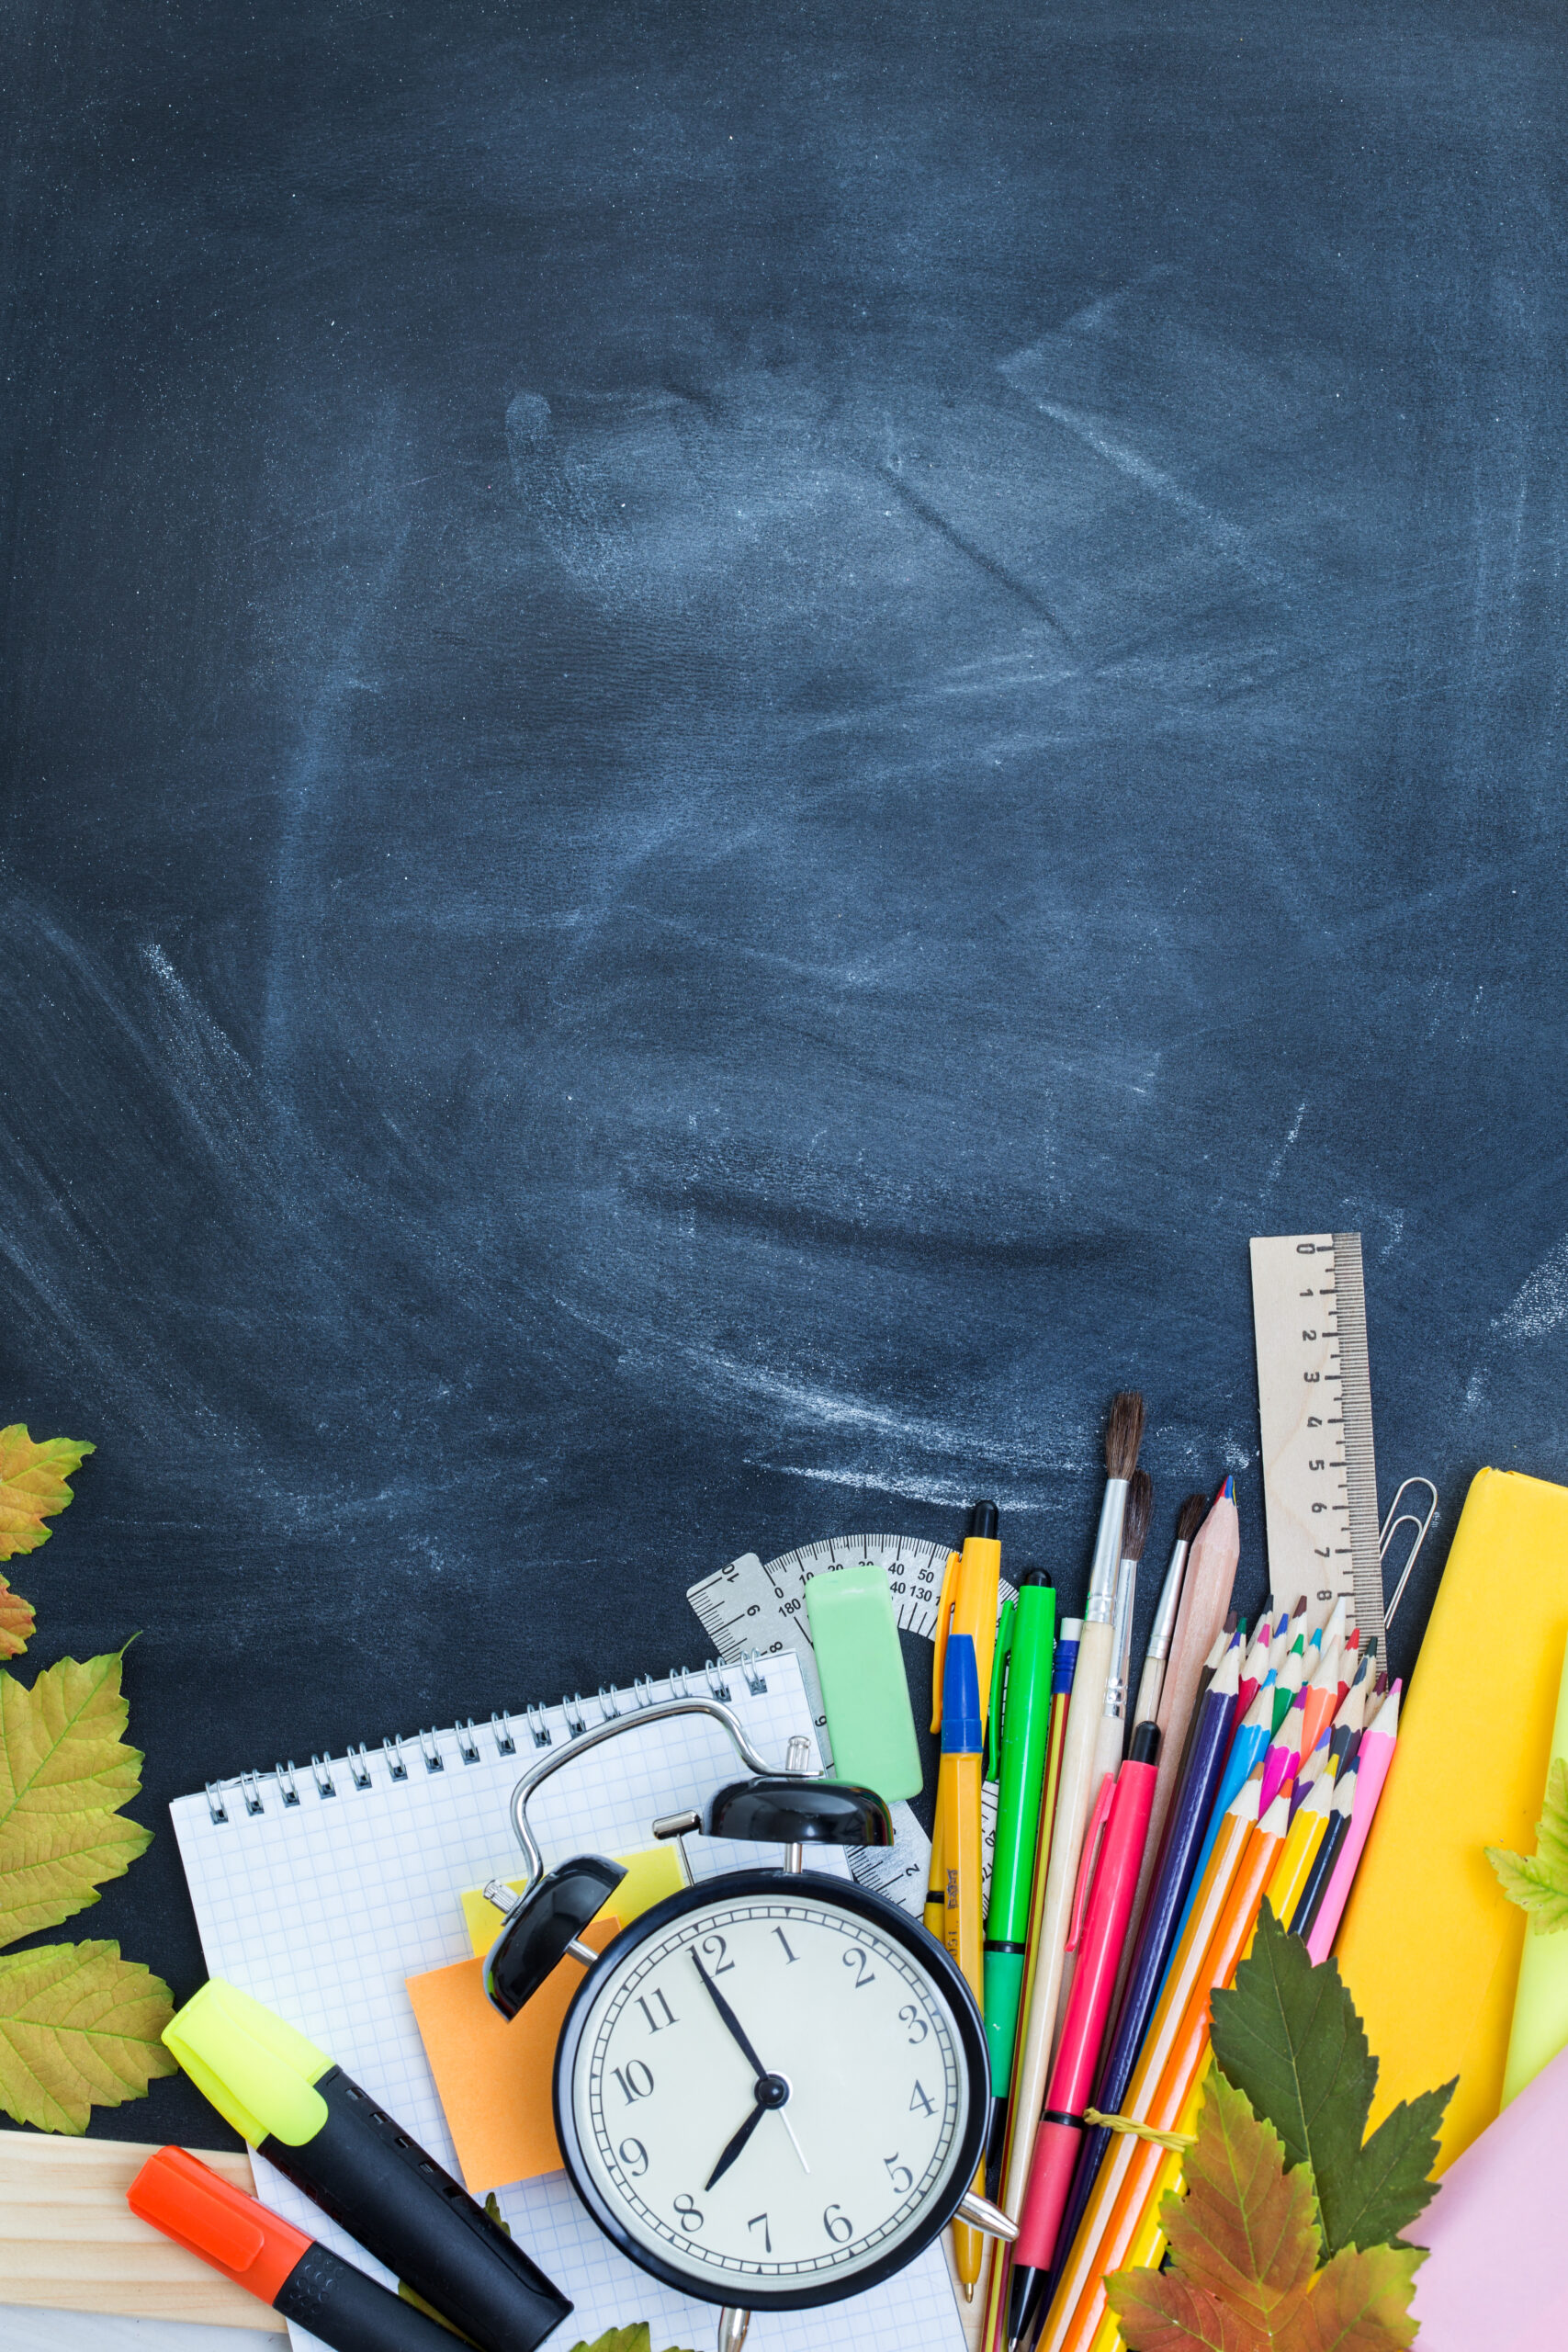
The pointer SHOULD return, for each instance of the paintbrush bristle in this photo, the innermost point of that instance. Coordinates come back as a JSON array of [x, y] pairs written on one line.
[[1123, 1434], [1191, 1517], [1136, 1517]]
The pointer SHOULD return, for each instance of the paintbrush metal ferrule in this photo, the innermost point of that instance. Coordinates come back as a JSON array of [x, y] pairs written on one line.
[[1107, 1557], [1169, 1603]]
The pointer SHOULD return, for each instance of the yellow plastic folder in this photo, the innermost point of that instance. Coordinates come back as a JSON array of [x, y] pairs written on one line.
[[1430, 1944]]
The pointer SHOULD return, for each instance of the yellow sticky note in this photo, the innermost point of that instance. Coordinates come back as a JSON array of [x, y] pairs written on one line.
[[1430, 1944], [650, 1877], [493, 2073]]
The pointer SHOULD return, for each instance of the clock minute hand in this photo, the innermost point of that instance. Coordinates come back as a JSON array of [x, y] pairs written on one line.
[[730, 2020], [736, 2146]]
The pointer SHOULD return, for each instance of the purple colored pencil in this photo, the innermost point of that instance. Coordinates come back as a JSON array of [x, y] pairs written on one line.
[[1183, 1841]]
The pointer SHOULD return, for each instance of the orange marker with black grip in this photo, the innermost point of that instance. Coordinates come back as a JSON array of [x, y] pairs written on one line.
[[277, 2263]]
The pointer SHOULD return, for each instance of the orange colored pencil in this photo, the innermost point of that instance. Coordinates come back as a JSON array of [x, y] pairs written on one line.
[[1107, 2233]]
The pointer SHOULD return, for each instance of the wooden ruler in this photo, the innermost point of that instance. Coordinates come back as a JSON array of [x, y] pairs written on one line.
[[1314, 1396]]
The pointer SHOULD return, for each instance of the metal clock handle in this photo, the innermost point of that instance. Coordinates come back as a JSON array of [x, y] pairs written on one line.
[[660, 1711]]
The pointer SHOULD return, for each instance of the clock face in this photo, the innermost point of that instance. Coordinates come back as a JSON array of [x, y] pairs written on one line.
[[772, 2090]]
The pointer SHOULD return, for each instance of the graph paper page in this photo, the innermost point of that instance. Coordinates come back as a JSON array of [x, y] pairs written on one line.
[[322, 1908]]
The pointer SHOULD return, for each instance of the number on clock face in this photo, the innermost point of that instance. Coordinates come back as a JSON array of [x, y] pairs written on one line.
[[769, 2089]]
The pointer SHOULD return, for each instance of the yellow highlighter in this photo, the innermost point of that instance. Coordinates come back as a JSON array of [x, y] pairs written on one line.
[[958, 1829]]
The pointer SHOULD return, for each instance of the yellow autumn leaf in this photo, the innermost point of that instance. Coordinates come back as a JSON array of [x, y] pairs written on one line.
[[16, 1621], [64, 1773], [79, 2028], [32, 1485]]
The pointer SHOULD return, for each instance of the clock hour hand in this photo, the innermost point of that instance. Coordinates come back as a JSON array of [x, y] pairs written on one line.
[[730, 2020], [735, 2146]]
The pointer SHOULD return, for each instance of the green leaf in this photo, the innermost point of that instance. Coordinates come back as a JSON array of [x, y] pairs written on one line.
[[64, 1773], [79, 2028], [1288, 2035], [1538, 1882], [636, 2338], [32, 1485]]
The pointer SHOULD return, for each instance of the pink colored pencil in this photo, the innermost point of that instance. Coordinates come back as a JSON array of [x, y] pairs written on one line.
[[1284, 1755], [1374, 1759]]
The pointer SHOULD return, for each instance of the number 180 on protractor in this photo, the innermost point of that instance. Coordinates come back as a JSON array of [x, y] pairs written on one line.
[[771, 2097]]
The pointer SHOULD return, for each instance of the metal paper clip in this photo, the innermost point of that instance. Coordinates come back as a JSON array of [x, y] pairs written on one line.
[[1397, 1519]]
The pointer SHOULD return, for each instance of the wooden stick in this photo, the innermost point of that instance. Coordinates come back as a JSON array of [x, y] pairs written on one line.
[[69, 2241]]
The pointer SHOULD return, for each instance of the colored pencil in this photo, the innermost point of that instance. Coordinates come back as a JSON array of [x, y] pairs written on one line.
[[1283, 1759], [1374, 1759], [1310, 1901], [1205, 1599], [1189, 1519], [1174, 1879], [1322, 1697], [1307, 1830], [1257, 1665], [1111, 2220]]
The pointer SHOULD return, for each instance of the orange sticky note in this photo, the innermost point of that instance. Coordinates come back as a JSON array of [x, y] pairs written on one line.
[[493, 2074]]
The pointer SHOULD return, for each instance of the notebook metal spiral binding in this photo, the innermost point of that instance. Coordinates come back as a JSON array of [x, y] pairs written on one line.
[[613, 1703]]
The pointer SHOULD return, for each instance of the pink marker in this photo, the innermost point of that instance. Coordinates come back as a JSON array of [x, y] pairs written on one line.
[[1373, 1760], [1103, 1909]]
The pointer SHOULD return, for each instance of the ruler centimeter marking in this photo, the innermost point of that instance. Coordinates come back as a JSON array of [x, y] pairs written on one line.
[[760, 1605], [1314, 1398]]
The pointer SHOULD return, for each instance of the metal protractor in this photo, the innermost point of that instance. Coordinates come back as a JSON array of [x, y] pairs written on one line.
[[760, 1605]]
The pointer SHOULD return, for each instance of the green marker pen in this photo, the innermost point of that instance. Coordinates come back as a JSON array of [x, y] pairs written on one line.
[[1020, 1736]]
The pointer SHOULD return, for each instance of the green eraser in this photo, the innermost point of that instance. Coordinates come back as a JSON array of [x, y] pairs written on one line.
[[861, 1667]]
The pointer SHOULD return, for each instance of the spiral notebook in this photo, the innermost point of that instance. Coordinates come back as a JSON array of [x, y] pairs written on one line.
[[321, 1889]]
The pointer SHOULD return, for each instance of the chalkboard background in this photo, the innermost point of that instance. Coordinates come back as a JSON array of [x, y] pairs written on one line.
[[729, 732]]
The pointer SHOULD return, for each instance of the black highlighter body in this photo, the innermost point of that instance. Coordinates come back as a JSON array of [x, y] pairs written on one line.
[[350, 2312], [400, 2206]]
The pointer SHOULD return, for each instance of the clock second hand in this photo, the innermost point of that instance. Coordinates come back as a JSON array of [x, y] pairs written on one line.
[[765, 2103]]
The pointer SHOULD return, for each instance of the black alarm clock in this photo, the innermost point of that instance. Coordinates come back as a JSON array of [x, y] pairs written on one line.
[[771, 2090]]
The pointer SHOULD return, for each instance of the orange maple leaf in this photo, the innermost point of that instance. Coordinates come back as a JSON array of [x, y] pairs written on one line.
[[1244, 2247], [16, 1621], [32, 1485]]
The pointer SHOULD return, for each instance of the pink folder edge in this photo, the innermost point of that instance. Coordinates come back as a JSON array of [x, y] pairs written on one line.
[[1494, 2278]]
